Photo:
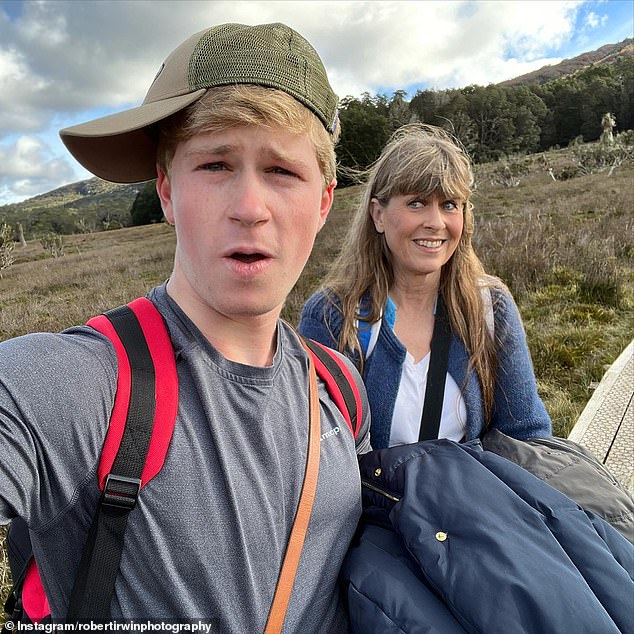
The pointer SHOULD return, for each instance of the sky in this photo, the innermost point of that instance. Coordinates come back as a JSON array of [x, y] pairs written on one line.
[[66, 62]]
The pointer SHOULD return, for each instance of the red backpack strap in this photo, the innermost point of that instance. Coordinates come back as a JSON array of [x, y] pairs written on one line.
[[136, 444], [34, 601], [166, 391], [340, 383]]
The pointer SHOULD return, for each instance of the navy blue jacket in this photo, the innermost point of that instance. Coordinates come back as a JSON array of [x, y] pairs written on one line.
[[456, 539], [518, 409]]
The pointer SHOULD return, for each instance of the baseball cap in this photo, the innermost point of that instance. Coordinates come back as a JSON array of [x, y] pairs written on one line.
[[119, 148]]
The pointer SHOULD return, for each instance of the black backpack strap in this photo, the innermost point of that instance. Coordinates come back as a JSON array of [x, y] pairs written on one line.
[[437, 374], [99, 566], [340, 383], [13, 607]]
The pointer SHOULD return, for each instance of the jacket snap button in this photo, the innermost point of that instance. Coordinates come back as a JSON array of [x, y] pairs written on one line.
[[441, 536], [377, 472]]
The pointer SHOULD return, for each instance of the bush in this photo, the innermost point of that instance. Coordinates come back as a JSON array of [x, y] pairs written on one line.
[[53, 244], [509, 174], [593, 158], [7, 247], [146, 208]]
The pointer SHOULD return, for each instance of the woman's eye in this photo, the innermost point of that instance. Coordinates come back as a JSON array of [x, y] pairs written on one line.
[[416, 204], [451, 206]]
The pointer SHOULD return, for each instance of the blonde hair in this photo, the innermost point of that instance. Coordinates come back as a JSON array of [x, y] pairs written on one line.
[[424, 160], [242, 105]]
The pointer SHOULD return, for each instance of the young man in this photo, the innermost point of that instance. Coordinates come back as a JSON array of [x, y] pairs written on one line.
[[239, 127]]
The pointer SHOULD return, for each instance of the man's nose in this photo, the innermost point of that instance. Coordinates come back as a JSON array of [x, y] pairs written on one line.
[[249, 206]]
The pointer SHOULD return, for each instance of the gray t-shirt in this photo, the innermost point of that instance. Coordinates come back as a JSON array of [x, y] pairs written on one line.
[[209, 532]]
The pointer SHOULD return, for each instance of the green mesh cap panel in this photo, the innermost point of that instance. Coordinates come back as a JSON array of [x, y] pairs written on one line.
[[270, 55]]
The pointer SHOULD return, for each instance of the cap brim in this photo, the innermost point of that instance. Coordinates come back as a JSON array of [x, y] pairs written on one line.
[[117, 147]]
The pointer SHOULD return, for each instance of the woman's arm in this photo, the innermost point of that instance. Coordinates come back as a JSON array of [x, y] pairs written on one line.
[[518, 409], [320, 320]]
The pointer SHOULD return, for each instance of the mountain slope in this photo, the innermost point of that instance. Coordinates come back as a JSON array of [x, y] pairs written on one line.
[[604, 55]]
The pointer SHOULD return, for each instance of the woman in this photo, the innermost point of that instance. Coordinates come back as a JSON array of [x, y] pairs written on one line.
[[453, 539], [409, 244]]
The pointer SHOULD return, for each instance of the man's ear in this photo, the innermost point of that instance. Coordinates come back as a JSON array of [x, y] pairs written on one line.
[[327, 198], [164, 191]]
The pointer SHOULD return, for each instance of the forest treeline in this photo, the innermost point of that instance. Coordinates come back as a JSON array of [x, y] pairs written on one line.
[[495, 121]]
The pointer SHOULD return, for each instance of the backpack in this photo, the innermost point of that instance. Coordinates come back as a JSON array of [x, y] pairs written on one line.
[[143, 415]]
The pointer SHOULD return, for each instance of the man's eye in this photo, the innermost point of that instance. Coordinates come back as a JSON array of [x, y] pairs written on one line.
[[282, 170], [212, 167]]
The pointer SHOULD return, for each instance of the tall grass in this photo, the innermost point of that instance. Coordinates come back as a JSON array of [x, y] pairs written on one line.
[[565, 249]]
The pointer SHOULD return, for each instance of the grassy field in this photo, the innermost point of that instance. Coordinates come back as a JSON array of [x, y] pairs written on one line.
[[565, 248]]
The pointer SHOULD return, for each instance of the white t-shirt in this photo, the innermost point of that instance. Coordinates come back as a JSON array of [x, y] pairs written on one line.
[[410, 398]]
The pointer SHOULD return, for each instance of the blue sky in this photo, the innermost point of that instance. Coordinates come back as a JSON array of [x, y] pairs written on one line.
[[64, 62]]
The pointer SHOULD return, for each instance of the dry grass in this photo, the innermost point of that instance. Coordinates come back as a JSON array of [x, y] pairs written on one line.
[[566, 249], [99, 271]]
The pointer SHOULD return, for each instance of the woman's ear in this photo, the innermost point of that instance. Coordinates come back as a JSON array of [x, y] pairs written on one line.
[[376, 211]]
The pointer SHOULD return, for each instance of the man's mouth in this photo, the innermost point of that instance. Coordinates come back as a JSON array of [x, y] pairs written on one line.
[[248, 258]]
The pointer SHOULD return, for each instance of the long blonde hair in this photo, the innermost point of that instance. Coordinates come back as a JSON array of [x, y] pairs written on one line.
[[424, 160]]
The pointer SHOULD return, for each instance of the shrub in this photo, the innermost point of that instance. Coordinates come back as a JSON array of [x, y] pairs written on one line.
[[53, 244], [7, 247], [625, 138], [146, 207], [509, 174], [593, 158]]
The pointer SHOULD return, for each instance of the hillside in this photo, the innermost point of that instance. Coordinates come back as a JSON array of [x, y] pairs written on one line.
[[605, 55], [562, 243], [84, 206]]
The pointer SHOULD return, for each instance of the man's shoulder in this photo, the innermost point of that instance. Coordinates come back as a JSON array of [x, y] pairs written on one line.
[[362, 439], [54, 359]]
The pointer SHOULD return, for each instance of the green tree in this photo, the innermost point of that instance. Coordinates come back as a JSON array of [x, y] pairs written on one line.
[[146, 208], [528, 115], [624, 73], [399, 112], [365, 131], [490, 110]]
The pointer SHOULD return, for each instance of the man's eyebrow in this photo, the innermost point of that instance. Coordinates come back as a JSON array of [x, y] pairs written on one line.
[[282, 157], [222, 149]]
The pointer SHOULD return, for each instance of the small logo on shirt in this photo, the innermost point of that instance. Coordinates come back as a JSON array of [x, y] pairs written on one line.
[[332, 432]]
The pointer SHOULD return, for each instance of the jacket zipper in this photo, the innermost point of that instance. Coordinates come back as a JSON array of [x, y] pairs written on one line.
[[376, 489]]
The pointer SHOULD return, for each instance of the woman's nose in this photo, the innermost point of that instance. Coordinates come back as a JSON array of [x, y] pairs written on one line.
[[433, 216]]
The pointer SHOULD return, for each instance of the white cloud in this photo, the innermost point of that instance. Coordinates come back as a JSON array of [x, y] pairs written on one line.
[[60, 60], [27, 167], [79, 56], [594, 21]]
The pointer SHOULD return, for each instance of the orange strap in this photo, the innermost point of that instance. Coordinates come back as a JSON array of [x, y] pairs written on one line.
[[304, 508]]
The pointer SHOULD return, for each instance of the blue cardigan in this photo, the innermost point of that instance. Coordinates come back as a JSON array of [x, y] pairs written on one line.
[[518, 409]]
